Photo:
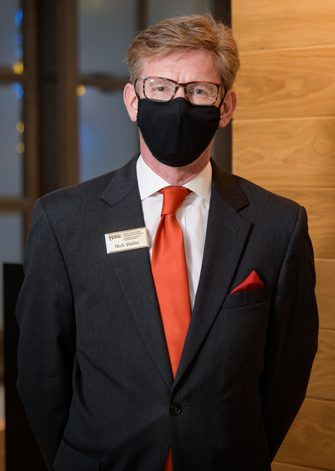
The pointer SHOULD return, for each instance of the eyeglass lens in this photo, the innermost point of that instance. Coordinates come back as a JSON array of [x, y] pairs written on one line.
[[162, 89]]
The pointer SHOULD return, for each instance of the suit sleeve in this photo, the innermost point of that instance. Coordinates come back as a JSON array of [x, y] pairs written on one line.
[[47, 337], [292, 337]]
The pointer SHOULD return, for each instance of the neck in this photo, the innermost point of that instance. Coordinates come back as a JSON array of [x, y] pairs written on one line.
[[176, 176]]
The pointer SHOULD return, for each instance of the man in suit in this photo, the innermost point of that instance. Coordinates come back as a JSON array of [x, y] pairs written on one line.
[[104, 379]]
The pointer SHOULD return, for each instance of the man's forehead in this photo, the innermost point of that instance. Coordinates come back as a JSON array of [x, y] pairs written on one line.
[[198, 62]]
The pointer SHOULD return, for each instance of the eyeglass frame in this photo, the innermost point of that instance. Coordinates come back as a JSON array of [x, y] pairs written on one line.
[[181, 85]]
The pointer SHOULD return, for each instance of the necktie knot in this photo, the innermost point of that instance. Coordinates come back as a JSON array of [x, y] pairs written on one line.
[[173, 197]]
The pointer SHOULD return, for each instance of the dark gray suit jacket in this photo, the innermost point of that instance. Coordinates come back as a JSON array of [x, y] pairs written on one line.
[[94, 373]]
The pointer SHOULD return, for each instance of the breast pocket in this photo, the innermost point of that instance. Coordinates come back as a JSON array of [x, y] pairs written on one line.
[[247, 298], [241, 332], [70, 459]]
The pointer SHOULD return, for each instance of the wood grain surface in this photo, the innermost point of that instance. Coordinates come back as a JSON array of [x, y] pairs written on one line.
[[284, 140], [322, 382], [325, 292], [310, 441], [291, 467], [286, 152], [264, 24], [286, 83]]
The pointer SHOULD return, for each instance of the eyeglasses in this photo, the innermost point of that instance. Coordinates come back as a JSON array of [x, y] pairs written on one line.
[[163, 89]]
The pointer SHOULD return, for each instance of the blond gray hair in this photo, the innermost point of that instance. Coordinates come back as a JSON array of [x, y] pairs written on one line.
[[187, 33]]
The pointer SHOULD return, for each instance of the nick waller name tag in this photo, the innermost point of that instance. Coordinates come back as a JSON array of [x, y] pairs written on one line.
[[127, 240]]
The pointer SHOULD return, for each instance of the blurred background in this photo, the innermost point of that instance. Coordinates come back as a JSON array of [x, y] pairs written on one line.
[[62, 120]]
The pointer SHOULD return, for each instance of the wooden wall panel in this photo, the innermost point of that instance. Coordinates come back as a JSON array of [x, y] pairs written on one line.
[[320, 205], [290, 467], [264, 150], [322, 383], [325, 292], [310, 441], [265, 24], [286, 83], [284, 140]]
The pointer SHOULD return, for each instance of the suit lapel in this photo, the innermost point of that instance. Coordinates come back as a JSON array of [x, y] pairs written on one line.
[[133, 268], [226, 237]]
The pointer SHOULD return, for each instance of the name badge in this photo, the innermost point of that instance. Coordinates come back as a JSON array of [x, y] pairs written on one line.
[[127, 240]]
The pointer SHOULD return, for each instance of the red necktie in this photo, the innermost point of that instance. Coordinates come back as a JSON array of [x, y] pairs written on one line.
[[170, 274]]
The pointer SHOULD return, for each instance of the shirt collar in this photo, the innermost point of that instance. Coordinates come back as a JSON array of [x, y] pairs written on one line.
[[149, 182]]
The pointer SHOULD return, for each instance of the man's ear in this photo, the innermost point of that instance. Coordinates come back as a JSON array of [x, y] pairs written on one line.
[[227, 108], [130, 100]]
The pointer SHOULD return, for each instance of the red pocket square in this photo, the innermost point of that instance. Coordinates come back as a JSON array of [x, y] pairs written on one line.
[[252, 281]]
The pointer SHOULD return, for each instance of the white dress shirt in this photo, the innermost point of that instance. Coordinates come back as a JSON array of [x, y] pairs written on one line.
[[192, 215]]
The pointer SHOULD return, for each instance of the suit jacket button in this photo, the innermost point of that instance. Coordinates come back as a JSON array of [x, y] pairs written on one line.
[[175, 409]]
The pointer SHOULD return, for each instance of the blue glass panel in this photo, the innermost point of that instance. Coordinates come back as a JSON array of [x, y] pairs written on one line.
[[159, 10], [11, 236], [105, 30], [10, 24], [11, 137], [108, 139]]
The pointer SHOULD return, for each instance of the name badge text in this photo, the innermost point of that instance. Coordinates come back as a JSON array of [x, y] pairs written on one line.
[[127, 240]]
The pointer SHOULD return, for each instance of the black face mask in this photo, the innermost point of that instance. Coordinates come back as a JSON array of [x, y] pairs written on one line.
[[177, 132]]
